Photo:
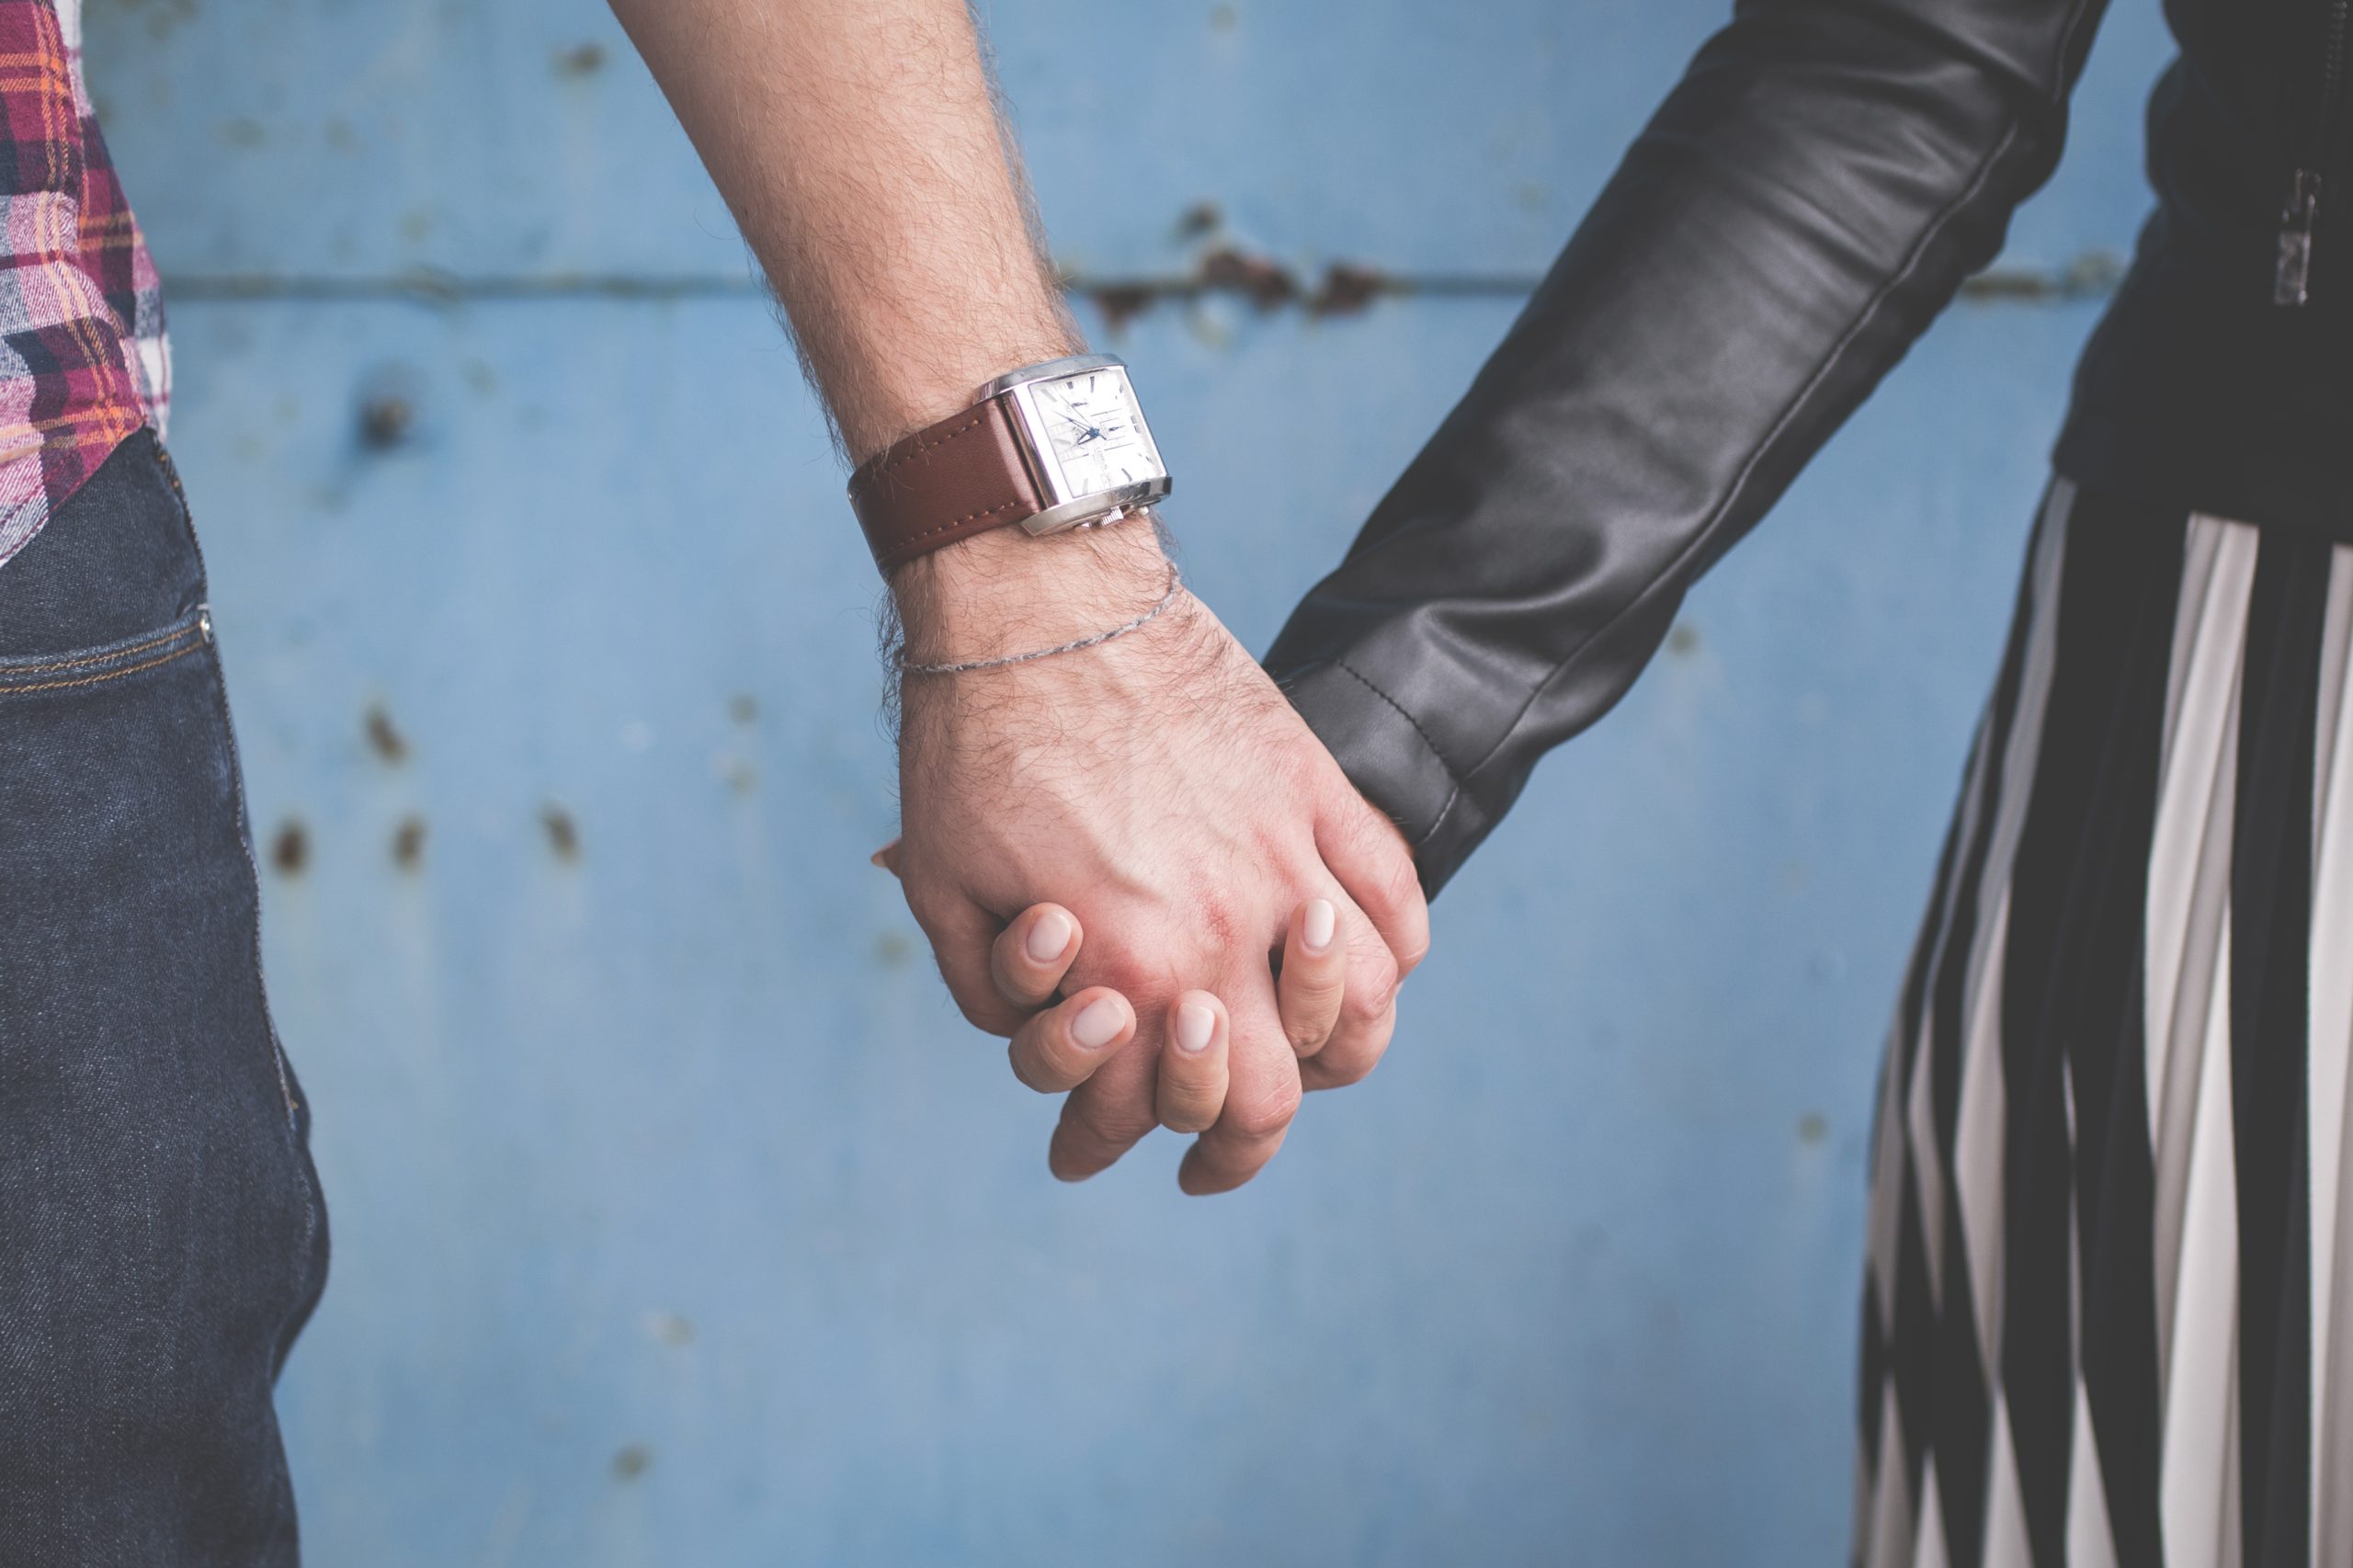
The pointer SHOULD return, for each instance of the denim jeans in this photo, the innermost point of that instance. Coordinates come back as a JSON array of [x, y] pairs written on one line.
[[161, 1235]]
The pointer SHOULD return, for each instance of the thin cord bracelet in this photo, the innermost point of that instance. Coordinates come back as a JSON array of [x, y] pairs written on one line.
[[1176, 586]]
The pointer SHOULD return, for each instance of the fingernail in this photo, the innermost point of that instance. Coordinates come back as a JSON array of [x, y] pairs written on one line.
[[1049, 937], [1315, 931], [1195, 1024], [1098, 1023]]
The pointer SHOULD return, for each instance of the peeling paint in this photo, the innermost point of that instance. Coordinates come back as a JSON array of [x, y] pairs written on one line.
[[2091, 276], [1347, 288]]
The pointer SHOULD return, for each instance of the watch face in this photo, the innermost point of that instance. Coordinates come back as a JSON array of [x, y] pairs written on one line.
[[1090, 425]]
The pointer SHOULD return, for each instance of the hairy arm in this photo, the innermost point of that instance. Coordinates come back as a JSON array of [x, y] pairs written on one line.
[[1157, 785], [857, 142], [858, 145]]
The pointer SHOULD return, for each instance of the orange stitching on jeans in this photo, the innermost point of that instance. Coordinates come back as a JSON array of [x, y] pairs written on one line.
[[87, 660], [7, 690]]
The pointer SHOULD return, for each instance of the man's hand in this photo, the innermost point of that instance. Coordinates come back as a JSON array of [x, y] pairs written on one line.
[[1157, 783], [1163, 791]]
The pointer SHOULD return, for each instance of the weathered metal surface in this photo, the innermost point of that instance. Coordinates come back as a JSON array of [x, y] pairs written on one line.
[[678, 1219]]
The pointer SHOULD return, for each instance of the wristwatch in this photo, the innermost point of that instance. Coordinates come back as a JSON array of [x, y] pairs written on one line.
[[1060, 445]]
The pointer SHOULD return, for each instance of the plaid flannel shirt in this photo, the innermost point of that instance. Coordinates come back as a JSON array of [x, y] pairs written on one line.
[[82, 357]]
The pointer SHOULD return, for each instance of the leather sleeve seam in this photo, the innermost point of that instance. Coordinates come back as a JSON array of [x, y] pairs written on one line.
[[1453, 779], [1830, 362]]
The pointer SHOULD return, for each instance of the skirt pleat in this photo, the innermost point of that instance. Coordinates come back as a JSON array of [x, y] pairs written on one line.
[[2108, 1312]]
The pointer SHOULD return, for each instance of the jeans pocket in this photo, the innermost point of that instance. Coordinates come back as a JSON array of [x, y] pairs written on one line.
[[59, 674], [161, 1234]]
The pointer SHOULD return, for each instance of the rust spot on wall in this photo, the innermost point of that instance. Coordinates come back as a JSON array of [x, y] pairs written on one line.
[[1347, 288], [743, 709], [630, 1462], [891, 949], [241, 132], [1812, 1127], [564, 833], [1199, 220], [670, 1328], [408, 843], [386, 418], [1683, 639], [289, 851], [582, 59], [384, 739], [1122, 302], [1262, 280]]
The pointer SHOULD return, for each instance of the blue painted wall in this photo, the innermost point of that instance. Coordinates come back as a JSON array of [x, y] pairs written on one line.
[[678, 1219]]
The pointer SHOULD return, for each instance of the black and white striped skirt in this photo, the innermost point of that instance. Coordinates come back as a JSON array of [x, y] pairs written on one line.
[[2107, 1313]]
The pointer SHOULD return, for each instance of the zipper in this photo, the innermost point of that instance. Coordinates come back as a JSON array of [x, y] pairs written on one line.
[[2291, 281]]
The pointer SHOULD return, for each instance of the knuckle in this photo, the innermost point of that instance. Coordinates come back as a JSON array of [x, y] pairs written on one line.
[[1118, 969], [1046, 1065], [1392, 887], [1220, 916], [1364, 1006], [1024, 1070], [1181, 1115], [1337, 1069], [1341, 1072], [1118, 1124], [1025, 992], [1395, 880], [1264, 1116], [1373, 989]]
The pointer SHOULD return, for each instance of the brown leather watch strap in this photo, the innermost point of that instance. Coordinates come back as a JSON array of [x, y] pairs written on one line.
[[963, 476]]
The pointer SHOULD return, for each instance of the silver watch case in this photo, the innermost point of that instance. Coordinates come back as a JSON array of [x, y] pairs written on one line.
[[1067, 510]]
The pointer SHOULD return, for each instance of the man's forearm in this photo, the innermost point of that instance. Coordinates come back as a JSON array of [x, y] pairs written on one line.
[[1157, 784], [858, 143]]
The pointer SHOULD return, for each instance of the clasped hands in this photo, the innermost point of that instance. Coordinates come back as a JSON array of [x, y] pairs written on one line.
[[1135, 860]]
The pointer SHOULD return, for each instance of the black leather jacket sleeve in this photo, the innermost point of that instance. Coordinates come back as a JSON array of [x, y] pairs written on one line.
[[1804, 202]]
